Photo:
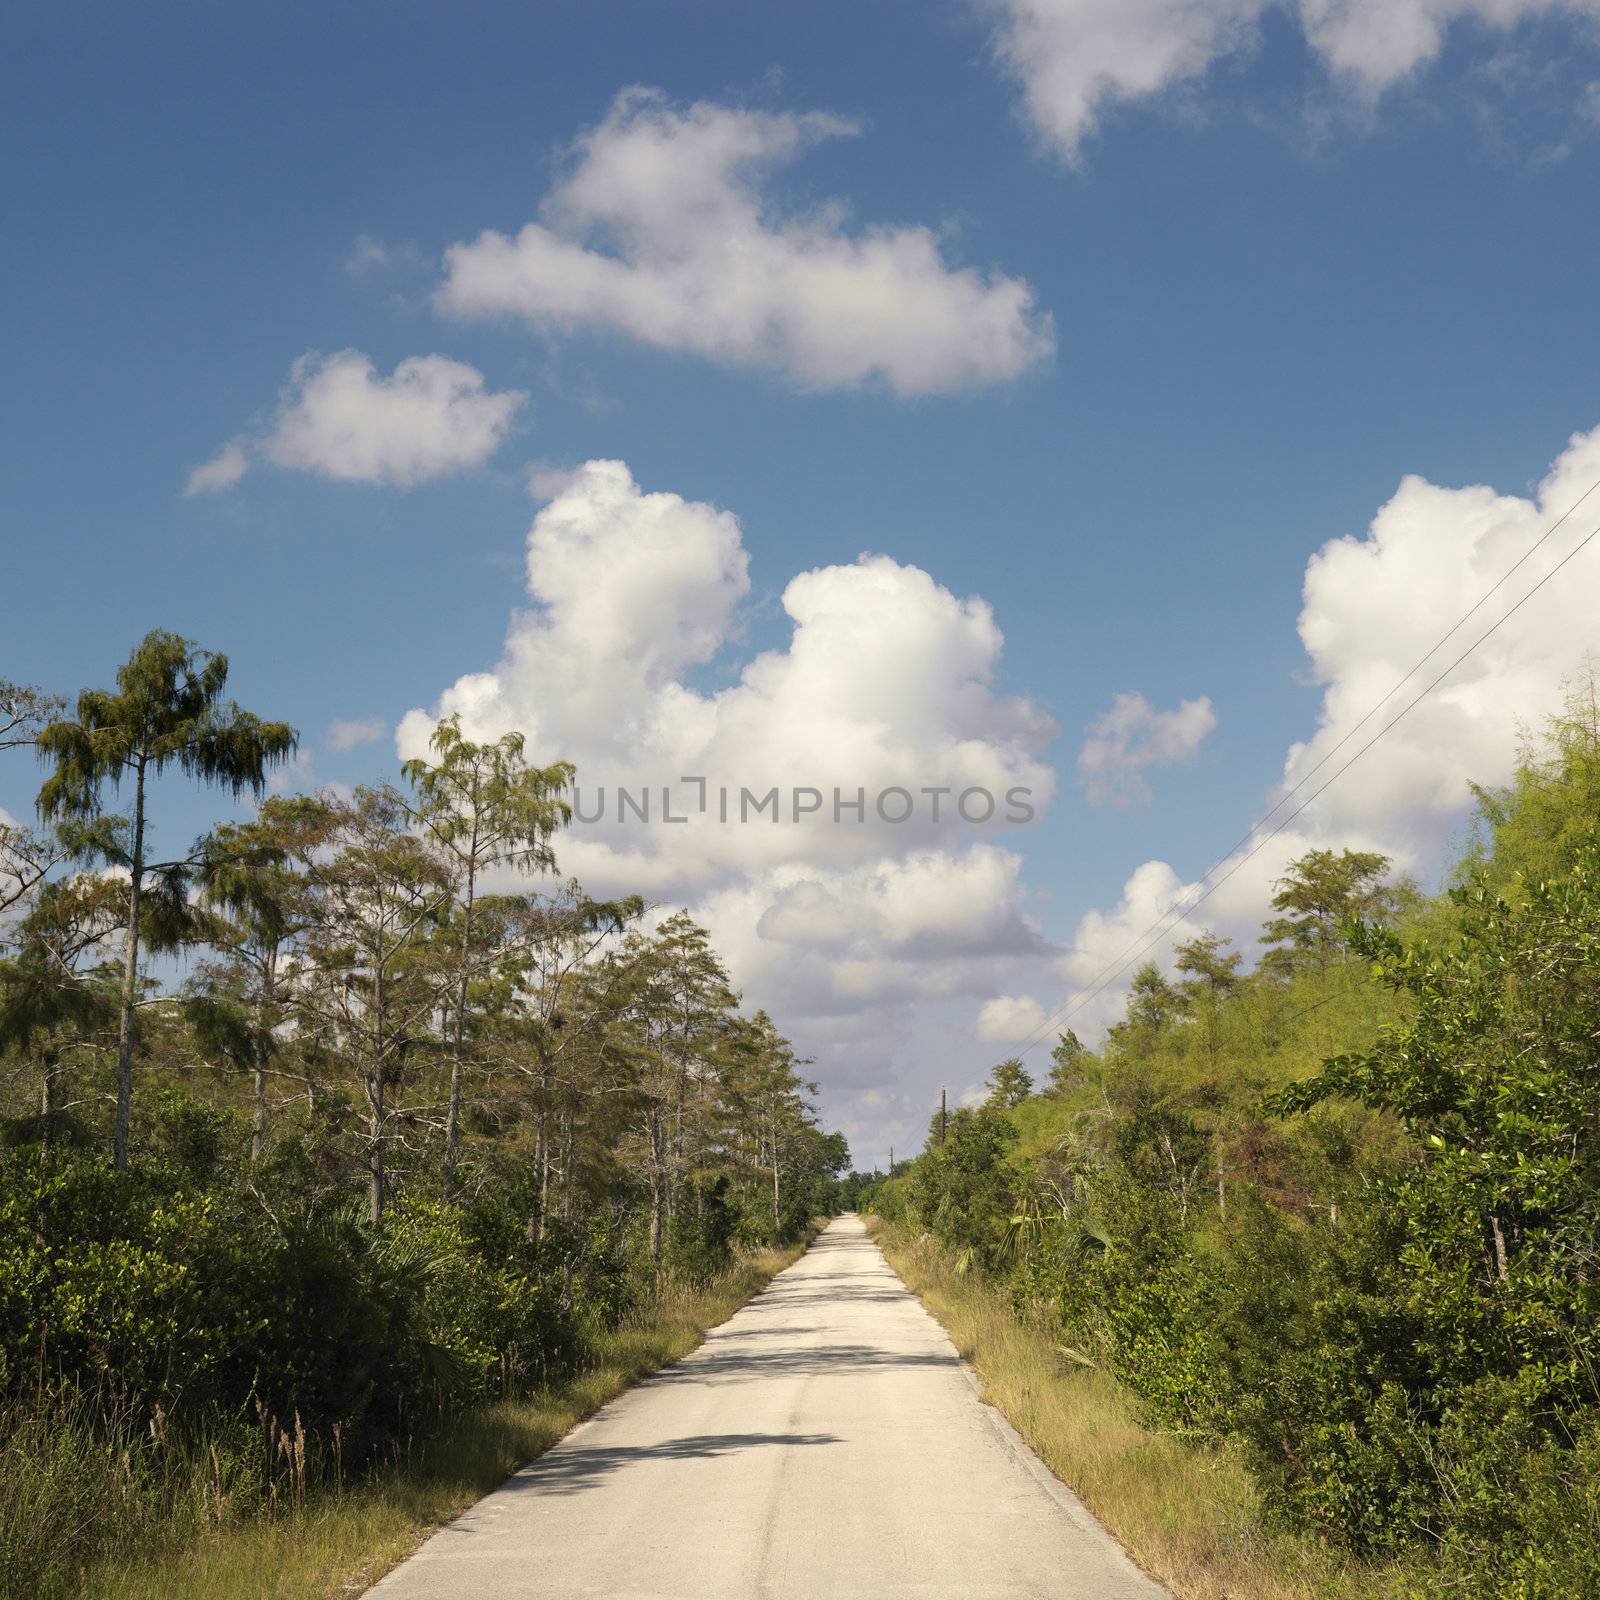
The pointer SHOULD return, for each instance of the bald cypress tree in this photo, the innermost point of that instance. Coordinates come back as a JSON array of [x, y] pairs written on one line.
[[166, 711], [26, 858], [483, 807]]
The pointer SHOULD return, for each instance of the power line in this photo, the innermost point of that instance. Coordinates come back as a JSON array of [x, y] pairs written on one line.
[[1175, 913]]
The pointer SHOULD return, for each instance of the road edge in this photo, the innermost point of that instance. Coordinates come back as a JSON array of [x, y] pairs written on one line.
[[1056, 1487]]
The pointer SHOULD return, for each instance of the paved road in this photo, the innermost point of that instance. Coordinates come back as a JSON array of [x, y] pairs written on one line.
[[824, 1443]]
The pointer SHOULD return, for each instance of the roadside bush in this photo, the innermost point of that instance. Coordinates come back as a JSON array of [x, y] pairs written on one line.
[[960, 1189], [1140, 1296], [197, 1301], [496, 1325], [706, 1228]]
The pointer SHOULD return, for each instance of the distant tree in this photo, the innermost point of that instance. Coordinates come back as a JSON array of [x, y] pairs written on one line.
[[961, 1189], [1538, 824], [1009, 1084], [24, 710], [680, 995], [766, 1092], [26, 857], [166, 711], [1211, 973], [1316, 897], [374, 989], [562, 1006], [1066, 1061], [57, 992], [1152, 1003], [256, 879], [483, 807]]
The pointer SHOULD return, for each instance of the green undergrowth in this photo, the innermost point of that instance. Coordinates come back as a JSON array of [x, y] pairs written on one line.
[[178, 1532], [1187, 1513]]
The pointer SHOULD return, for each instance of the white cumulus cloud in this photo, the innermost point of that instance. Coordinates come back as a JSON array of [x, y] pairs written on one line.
[[884, 685], [222, 471], [340, 418], [347, 734], [431, 416], [1375, 605], [842, 923], [1076, 59], [666, 229], [1131, 736], [1010, 1019]]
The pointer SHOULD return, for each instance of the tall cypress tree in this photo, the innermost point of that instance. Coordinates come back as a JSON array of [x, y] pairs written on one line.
[[483, 807], [166, 711]]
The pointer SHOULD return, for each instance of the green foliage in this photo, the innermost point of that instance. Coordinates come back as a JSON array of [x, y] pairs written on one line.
[[961, 1186], [1318, 895], [1453, 1315], [1533, 829], [704, 1229], [1341, 1212], [1066, 1056], [404, 1146], [1009, 1084], [1153, 1003], [166, 712]]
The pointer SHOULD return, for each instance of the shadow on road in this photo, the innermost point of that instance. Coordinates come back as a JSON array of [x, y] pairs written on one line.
[[713, 1365], [571, 1470]]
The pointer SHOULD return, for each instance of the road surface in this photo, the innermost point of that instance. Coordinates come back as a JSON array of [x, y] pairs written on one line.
[[826, 1442]]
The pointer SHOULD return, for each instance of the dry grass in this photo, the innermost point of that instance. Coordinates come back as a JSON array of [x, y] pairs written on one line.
[[340, 1544], [1188, 1515]]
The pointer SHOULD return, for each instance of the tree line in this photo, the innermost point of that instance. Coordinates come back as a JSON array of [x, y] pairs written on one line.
[[353, 1109], [1339, 1213]]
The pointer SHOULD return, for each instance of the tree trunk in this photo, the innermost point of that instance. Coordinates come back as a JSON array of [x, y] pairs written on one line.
[[675, 1177], [544, 1162], [452, 1119], [1499, 1247], [657, 1164], [258, 1133], [375, 1155], [130, 984], [376, 1109], [47, 1097], [777, 1208], [566, 1164]]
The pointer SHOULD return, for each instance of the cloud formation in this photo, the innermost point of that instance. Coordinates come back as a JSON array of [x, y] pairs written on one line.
[[1010, 1019], [222, 471], [884, 684], [841, 924], [666, 229], [1076, 59], [346, 734], [1131, 736], [1375, 604], [431, 416], [339, 418]]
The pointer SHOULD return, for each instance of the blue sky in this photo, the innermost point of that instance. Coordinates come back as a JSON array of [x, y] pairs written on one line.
[[1285, 275]]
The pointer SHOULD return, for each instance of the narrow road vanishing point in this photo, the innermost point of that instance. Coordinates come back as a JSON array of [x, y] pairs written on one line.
[[826, 1442]]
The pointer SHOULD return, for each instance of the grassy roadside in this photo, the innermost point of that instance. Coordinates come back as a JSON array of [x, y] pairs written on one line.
[[340, 1543], [1187, 1514]]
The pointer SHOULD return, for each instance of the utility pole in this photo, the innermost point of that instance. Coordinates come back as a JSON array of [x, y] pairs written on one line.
[[943, 1118]]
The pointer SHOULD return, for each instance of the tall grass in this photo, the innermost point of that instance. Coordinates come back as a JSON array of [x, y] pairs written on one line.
[[1187, 1514], [97, 1504]]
